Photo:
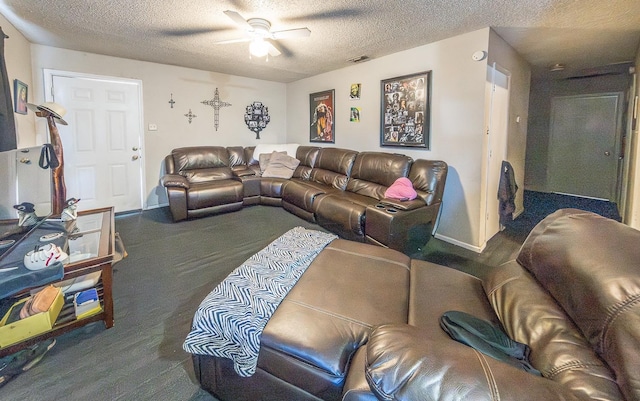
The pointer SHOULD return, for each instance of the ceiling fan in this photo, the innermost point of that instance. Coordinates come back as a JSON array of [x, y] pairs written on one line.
[[258, 32]]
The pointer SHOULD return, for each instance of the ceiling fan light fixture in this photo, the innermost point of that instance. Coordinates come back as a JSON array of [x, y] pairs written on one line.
[[259, 47]]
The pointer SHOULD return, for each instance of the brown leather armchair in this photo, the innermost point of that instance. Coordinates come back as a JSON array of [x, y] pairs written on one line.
[[200, 181]]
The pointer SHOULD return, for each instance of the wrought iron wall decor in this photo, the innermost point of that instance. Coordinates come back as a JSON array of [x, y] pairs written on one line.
[[171, 102], [190, 116], [217, 104], [257, 117]]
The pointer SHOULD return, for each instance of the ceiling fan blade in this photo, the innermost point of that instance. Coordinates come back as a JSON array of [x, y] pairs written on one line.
[[291, 33], [238, 19], [239, 40], [273, 50], [190, 31]]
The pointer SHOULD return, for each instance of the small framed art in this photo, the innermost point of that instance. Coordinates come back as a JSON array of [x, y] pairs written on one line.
[[321, 109], [405, 111], [20, 92]]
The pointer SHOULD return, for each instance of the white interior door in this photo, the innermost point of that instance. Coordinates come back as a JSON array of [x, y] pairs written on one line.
[[584, 145], [498, 120], [103, 141]]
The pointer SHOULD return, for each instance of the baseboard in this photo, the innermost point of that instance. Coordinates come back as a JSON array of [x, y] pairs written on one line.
[[459, 243], [156, 206], [518, 213]]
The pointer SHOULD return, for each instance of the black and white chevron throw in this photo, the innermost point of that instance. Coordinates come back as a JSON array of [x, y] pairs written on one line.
[[230, 320]]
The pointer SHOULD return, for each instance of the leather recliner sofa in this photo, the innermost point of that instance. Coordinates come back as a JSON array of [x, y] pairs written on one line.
[[362, 323], [340, 189]]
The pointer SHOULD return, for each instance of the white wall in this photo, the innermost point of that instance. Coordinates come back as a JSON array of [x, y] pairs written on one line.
[[17, 56], [456, 127], [189, 88], [457, 119]]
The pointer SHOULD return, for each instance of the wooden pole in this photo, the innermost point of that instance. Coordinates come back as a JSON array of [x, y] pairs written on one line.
[[59, 192]]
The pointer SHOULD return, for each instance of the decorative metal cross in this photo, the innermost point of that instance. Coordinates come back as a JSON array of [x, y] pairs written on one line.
[[190, 116], [172, 102], [216, 103]]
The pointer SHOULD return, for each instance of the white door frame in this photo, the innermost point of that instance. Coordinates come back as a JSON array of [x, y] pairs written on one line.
[[496, 149], [48, 94]]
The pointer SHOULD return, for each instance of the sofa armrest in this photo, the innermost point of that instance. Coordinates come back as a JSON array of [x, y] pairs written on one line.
[[403, 365], [403, 204], [175, 180], [243, 172]]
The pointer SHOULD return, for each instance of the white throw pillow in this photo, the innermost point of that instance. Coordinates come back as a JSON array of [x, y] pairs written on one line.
[[265, 158], [281, 166]]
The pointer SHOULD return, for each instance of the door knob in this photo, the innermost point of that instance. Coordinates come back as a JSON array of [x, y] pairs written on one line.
[[607, 153], [25, 160], [135, 157], [135, 148]]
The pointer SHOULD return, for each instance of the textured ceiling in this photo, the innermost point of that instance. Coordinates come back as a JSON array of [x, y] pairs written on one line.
[[579, 33]]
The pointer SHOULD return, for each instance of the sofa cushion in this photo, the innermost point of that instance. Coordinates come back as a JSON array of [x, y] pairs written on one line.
[[307, 156], [348, 290], [373, 172], [333, 167], [281, 166], [272, 187], [236, 156], [428, 178], [343, 213], [302, 193], [201, 157], [205, 175], [403, 364], [202, 164], [214, 193]]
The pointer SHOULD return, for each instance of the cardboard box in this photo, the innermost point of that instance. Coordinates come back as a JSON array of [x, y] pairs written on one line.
[[11, 333]]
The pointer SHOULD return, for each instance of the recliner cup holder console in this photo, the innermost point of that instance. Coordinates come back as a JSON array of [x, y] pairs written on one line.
[[387, 208]]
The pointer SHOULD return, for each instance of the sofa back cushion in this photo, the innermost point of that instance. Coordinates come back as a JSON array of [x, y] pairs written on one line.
[[374, 172], [307, 156], [202, 163], [236, 157], [428, 177], [591, 266], [559, 350], [333, 167]]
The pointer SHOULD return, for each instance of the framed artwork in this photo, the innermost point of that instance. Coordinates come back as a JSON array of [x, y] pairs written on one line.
[[20, 92], [354, 91], [354, 117], [405, 111], [321, 109]]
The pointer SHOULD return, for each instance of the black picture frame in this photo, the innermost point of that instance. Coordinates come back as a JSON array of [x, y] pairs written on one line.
[[20, 96], [405, 104], [322, 117]]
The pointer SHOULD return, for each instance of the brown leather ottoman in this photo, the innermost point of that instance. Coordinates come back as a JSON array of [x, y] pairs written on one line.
[[308, 344]]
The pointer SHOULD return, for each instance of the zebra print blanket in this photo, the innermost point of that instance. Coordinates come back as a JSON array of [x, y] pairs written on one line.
[[230, 320]]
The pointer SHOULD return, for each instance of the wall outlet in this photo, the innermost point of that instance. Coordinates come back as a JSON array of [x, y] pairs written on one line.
[[153, 127]]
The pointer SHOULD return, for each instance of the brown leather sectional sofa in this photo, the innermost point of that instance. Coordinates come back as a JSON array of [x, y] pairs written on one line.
[[363, 324], [340, 189]]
